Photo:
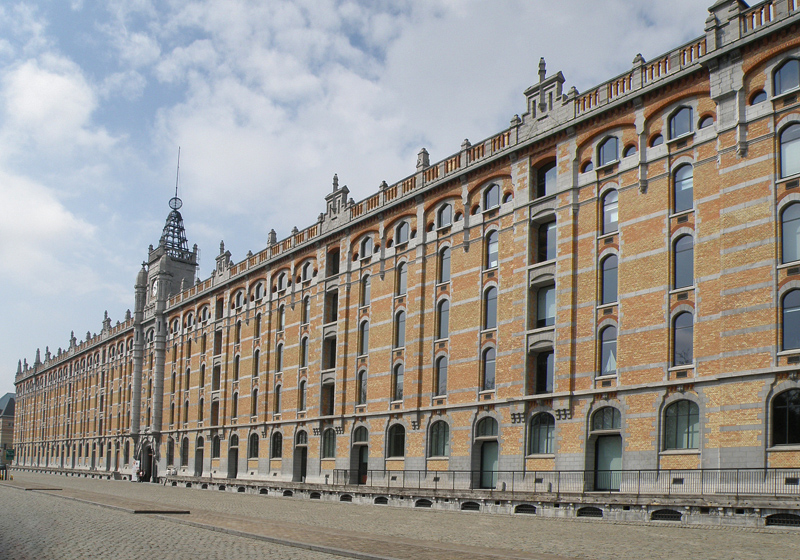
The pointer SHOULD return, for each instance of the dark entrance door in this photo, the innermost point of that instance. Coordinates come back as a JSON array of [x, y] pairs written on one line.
[[489, 464], [608, 462], [147, 464], [363, 464], [233, 462], [198, 461]]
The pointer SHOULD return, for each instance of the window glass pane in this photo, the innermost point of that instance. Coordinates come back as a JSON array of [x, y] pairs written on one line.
[[490, 306], [683, 353], [791, 320], [440, 440], [402, 280], [546, 307], [304, 352], [680, 123], [546, 180], [787, 77], [609, 280], [400, 330], [790, 151], [491, 250], [786, 418], [546, 242], [488, 369], [684, 197], [441, 376], [684, 262], [444, 319], [397, 393], [790, 233], [492, 197], [445, 215], [364, 338], [545, 369], [610, 222], [608, 151], [444, 265], [366, 286], [542, 434], [608, 351], [402, 233]]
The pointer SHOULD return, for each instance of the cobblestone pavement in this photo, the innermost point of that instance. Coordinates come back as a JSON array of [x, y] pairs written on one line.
[[365, 531]]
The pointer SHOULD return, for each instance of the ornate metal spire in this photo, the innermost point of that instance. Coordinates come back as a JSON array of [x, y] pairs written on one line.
[[173, 238]]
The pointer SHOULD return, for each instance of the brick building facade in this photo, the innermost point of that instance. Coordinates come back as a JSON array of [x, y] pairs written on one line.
[[610, 284]]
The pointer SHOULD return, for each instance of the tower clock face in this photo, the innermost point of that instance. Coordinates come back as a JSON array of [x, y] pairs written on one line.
[[154, 290]]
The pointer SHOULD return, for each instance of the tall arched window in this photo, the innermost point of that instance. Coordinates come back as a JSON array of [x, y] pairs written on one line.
[[542, 434], [440, 382], [366, 247], [306, 310], [786, 418], [304, 352], [684, 262], [397, 382], [301, 397], [279, 358], [361, 387], [256, 358], [215, 447], [491, 197], [683, 329], [439, 445], [254, 403], [277, 445], [185, 452], [545, 372], [202, 375], [490, 308], [787, 76], [610, 212], [790, 233], [684, 189], [681, 122], [608, 279], [401, 235], [608, 151], [492, 248], [444, 265], [236, 368], [363, 338], [397, 441], [546, 180], [791, 320], [238, 331], [277, 402], [488, 371], [281, 317], [365, 291], [329, 443], [400, 329], [546, 242], [200, 410], [682, 425], [235, 406], [443, 320], [402, 279], [186, 412], [790, 150], [608, 351], [252, 446], [444, 217], [306, 273], [546, 307]]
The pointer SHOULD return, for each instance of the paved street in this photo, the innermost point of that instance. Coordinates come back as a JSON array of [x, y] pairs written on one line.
[[88, 518]]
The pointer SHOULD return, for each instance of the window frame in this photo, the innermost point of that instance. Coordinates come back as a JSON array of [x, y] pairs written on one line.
[[399, 338], [489, 358], [492, 251], [790, 437], [789, 161], [683, 262], [396, 438], [398, 375], [683, 189], [444, 257], [402, 233], [684, 127], [778, 87], [439, 440], [607, 350], [794, 345], [681, 431], [443, 221], [491, 193], [490, 307], [440, 376], [683, 347], [541, 437], [609, 279], [604, 159], [609, 208]]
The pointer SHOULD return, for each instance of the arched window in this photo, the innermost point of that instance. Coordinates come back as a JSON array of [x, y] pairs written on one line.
[[610, 223], [401, 235], [365, 291], [172, 413], [252, 446], [170, 451], [608, 151], [402, 279], [546, 242], [444, 217], [487, 427], [542, 434], [256, 358], [786, 418], [254, 403], [185, 452], [174, 381], [546, 306], [400, 329], [306, 310], [277, 403], [200, 410], [684, 192], [301, 397], [491, 197], [487, 365], [682, 425], [397, 441], [606, 418], [439, 440], [790, 150], [215, 447], [791, 320], [630, 150], [360, 435], [366, 247], [587, 166], [202, 375], [277, 445], [257, 326], [279, 358], [281, 317], [490, 308], [361, 387], [492, 249], [185, 412], [684, 262], [363, 338], [681, 122], [443, 320], [281, 285], [705, 122], [304, 352], [440, 383], [790, 233], [258, 292], [444, 265], [236, 368], [608, 279], [546, 180], [397, 383], [329, 444], [545, 372], [683, 334], [306, 274], [787, 76], [235, 406], [656, 140], [238, 332], [608, 351]]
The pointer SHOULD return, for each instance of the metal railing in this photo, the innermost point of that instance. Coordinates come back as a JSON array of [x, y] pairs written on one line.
[[683, 482]]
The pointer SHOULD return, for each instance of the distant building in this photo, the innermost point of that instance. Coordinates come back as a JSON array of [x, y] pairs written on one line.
[[6, 426], [608, 287]]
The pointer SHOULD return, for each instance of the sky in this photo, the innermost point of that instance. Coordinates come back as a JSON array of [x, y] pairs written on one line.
[[266, 100]]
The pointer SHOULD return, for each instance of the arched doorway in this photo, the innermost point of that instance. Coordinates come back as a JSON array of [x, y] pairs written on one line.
[[486, 452], [606, 432], [147, 463], [108, 457], [94, 458], [359, 456], [198, 458], [233, 457], [300, 459]]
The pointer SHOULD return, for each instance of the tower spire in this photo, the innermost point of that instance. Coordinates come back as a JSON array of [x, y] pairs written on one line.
[[173, 237]]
